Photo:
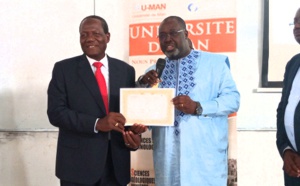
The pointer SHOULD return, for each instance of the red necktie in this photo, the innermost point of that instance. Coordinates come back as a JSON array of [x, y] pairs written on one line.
[[101, 83]]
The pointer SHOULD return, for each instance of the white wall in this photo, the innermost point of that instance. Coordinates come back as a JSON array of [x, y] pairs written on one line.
[[28, 158], [258, 110]]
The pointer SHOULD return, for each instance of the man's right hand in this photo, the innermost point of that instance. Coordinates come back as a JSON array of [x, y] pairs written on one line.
[[291, 163], [112, 121], [150, 78]]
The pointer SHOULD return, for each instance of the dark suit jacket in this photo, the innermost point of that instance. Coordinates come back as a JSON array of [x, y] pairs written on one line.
[[282, 139], [74, 104]]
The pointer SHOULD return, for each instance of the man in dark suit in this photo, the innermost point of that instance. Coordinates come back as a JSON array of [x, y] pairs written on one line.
[[288, 116], [93, 144]]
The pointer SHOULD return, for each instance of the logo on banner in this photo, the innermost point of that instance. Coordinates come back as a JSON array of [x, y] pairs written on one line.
[[142, 11], [193, 7], [150, 7]]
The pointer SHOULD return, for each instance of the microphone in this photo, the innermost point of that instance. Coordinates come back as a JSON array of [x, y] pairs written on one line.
[[160, 65]]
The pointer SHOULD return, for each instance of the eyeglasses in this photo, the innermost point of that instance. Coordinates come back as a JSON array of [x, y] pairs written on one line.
[[296, 21], [163, 36]]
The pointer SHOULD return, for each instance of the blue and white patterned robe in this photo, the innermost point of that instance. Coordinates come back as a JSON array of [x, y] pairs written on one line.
[[193, 152]]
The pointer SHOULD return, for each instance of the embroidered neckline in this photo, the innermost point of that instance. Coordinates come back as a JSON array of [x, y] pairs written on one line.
[[182, 70]]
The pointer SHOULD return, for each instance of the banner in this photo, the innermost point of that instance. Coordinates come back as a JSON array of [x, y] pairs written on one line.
[[211, 26]]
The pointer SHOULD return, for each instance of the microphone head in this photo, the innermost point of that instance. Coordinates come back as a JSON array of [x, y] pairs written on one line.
[[160, 65]]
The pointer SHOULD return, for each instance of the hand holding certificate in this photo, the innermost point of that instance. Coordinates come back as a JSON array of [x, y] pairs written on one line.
[[152, 107]]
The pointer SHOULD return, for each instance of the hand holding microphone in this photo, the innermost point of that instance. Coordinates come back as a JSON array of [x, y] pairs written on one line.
[[152, 77]]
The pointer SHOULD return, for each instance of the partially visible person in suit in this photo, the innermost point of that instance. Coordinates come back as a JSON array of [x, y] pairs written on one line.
[[93, 144], [288, 116]]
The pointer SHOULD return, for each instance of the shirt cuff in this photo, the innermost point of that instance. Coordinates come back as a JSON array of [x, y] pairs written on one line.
[[95, 130], [287, 148]]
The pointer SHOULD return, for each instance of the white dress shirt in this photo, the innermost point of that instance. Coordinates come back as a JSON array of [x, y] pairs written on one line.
[[293, 101], [105, 72]]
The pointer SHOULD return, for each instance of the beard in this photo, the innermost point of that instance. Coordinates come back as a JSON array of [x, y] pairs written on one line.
[[172, 54]]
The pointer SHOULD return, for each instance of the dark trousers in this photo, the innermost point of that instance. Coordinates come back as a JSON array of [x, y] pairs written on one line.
[[107, 179], [291, 181]]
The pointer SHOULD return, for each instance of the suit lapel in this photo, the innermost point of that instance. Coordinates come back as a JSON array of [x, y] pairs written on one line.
[[293, 70], [114, 84], [86, 74]]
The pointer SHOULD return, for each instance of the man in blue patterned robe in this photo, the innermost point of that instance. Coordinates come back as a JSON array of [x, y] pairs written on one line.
[[194, 150]]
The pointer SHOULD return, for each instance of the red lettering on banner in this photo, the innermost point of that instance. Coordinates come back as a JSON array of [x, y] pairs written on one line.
[[154, 7], [215, 35]]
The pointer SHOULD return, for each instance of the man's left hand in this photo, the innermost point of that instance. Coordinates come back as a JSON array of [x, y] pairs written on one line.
[[185, 104], [132, 140]]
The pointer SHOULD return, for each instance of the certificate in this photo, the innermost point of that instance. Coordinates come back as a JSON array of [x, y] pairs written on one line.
[[148, 106]]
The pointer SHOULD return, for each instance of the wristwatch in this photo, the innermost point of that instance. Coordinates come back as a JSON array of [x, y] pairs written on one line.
[[199, 109]]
